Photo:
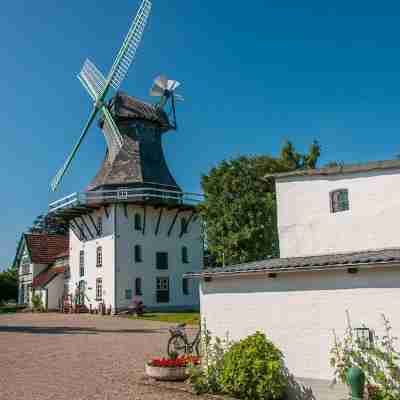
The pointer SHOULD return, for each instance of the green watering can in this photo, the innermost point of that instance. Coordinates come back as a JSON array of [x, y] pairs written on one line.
[[356, 381]]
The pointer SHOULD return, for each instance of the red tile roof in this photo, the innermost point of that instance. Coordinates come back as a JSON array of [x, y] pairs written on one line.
[[45, 248], [46, 276]]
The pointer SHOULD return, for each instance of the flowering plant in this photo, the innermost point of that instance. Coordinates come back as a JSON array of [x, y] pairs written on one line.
[[182, 361]]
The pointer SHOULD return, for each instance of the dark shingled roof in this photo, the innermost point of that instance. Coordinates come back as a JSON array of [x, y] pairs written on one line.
[[321, 263], [128, 107], [340, 169], [44, 248]]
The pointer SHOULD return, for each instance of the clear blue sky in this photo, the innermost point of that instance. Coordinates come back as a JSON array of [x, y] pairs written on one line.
[[254, 73]]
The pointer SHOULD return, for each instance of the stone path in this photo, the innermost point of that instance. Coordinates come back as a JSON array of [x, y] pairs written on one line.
[[79, 357]]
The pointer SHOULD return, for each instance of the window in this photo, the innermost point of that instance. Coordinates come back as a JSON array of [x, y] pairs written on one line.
[[99, 289], [138, 253], [162, 260], [99, 257], [339, 200], [184, 225], [138, 287], [128, 294], [185, 257], [81, 263], [138, 222], [185, 286], [162, 292], [25, 265], [100, 225]]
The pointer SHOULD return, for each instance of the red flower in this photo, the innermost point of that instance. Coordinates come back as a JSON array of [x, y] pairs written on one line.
[[182, 361]]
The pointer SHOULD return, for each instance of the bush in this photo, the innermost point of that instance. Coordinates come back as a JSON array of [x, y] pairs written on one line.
[[37, 303], [253, 369]]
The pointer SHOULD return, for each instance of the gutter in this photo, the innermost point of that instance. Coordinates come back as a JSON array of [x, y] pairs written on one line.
[[338, 267]]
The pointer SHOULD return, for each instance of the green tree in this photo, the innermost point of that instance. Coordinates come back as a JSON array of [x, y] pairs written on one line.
[[239, 211], [9, 285]]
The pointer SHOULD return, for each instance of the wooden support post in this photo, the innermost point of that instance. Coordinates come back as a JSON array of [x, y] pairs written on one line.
[[94, 224], [86, 226], [185, 228], [159, 221], [144, 220], [82, 233], [126, 210], [173, 223]]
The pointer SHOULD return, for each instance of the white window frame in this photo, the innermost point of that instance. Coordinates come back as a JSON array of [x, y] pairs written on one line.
[[99, 256], [82, 263], [99, 289]]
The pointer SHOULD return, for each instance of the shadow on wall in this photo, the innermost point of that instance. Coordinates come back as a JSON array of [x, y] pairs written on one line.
[[296, 391]]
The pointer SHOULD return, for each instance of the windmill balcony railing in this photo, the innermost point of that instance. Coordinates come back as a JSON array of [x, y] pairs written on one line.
[[126, 195]]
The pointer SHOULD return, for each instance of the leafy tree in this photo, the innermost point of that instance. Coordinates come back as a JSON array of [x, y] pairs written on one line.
[[48, 224], [239, 210], [9, 285]]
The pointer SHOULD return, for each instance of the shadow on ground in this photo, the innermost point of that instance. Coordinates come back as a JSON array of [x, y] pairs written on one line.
[[67, 330]]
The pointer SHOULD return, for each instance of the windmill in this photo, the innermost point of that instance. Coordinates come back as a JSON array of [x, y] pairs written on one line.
[[99, 88], [165, 89]]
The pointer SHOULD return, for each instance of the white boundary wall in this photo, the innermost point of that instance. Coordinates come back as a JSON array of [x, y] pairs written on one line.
[[298, 311]]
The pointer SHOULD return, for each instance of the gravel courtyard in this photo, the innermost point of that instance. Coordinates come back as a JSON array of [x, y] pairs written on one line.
[[76, 357]]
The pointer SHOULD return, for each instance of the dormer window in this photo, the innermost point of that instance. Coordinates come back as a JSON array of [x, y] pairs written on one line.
[[339, 200]]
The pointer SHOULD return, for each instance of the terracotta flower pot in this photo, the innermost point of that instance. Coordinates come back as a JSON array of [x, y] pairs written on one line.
[[167, 373]]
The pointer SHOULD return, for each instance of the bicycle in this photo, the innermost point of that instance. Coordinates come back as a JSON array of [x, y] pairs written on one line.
[[179, 343]]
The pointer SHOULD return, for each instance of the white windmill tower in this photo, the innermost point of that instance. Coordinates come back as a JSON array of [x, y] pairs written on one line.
[[132, 224]]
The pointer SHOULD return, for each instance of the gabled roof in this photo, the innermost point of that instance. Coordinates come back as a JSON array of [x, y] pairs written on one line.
[[312, 263], [339, 169], [44, 248]]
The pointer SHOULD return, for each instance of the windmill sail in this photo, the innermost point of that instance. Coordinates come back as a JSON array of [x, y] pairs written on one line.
[[55, 182], [98, 86], [127, 53], [93, 80]]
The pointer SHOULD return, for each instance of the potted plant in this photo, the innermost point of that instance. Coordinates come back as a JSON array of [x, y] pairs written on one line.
[[172, 368]]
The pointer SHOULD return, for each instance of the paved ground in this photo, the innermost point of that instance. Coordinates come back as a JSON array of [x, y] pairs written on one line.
[[76, 357]]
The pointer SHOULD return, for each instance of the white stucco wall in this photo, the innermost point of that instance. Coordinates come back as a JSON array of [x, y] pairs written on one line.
[[128, 270], [119, 269], [298, 311], [54, 292], [92, 272], [307, 226]]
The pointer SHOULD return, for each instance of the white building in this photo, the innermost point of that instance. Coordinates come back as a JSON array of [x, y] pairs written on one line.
[[340, 251], [133, 232], [42, 264]]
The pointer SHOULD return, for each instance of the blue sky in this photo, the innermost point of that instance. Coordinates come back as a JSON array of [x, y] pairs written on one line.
[[254, 74]]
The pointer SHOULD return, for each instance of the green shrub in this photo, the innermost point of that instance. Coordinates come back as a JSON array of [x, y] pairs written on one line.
[[253, 369], [37, 303]]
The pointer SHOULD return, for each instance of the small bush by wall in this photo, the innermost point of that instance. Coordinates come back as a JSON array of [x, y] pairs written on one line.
[[251, 369]]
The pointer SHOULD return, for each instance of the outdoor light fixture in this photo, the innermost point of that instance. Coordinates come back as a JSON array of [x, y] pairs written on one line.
[[364, 337]]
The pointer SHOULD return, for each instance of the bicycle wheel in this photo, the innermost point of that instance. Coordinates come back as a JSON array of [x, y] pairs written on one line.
[[177, 344]]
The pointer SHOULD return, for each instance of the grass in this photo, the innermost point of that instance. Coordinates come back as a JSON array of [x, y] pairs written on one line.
[[190, 317], [8, 309]]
